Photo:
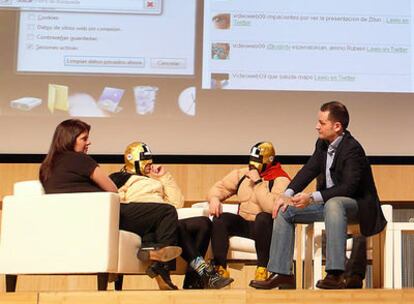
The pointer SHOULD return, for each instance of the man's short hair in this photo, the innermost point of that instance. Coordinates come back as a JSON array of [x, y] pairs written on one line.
[[337, 112]]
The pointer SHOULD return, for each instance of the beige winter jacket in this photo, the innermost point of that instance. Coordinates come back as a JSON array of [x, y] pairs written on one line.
[[154, 190], [253, 198]]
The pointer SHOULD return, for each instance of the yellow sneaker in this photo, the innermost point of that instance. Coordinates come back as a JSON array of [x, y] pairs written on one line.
[[261, 274], [222, 271]]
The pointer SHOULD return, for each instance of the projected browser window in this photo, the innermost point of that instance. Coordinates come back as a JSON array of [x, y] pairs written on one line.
[[109, 43], [291, 45], [111, 6]]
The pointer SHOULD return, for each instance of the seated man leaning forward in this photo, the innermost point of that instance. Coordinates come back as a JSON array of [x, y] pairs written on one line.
[[142, 180], [256, 188], [345, 193]]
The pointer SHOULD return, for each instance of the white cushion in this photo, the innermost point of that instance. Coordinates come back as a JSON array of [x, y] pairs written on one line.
[[240, 255], [31, 187], [241, 248], [203, 205], [184, 213], [231, 208], [242, 244]]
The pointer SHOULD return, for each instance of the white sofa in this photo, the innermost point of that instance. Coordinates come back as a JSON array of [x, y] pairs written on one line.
[[74, 233]]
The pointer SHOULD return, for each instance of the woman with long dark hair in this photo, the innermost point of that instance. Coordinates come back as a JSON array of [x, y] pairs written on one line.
[[68, 168]]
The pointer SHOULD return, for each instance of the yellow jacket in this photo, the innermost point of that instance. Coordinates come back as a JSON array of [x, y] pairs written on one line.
[[253, 198], [145, 189]]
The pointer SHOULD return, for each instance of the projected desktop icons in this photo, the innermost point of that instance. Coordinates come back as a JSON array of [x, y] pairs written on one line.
[[145, 98], [110, 99], [76, 105], [57, 98], [25, 103], [84, 105], [187, 101]]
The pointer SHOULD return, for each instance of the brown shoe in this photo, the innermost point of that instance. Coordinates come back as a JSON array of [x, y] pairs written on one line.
[[331, 282], [163, 254], [354, 281], [281, 281]]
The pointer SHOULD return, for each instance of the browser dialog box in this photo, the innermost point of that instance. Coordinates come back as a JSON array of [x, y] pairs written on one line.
[[157, 38]]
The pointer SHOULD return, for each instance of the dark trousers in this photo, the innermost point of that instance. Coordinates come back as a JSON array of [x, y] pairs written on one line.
[[194, 236], [156, 223], [229, 224], [357, 262]]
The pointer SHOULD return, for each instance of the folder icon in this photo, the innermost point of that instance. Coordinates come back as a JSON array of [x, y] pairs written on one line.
[[58, 98]]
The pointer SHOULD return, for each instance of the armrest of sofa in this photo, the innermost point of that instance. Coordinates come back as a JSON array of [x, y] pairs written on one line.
[[184, 213], [60, 233]]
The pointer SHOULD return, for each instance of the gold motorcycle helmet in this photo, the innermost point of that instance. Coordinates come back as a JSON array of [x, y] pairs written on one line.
[[137, 155], [262, 155]]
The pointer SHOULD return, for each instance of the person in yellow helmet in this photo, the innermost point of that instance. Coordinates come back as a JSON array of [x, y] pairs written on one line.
[[142, 180], [256, 187], [68, 168]]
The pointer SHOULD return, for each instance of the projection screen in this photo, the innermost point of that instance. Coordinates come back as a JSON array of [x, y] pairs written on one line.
[[208, 77]]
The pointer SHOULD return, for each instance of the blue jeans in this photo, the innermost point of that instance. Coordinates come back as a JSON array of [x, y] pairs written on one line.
[[337, 212]]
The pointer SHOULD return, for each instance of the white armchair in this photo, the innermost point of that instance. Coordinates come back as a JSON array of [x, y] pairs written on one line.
[[75, 233], [58, 233]]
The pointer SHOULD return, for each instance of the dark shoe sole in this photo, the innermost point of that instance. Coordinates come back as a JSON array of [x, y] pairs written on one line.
[[223, 283], [281, 286], [261, 285]]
